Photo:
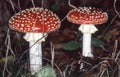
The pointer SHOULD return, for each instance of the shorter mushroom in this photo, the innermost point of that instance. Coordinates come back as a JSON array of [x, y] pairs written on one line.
[[35, 22], [87, 17]]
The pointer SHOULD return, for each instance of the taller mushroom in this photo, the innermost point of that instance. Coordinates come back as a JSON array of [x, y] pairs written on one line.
[[88, 17], [35, 22]]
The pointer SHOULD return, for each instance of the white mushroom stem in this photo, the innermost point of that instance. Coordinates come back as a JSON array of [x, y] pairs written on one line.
[[35, 52], [87, 30], [87, 45], [35, 55]]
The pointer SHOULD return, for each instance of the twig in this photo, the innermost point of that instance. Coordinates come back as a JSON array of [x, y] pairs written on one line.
[[107, 73], [103, 48], [81, 64], [66, 69], [109, 25], [43, 25], [64, 72], [115, 8], [19, 5], [33, 3], [52, 54], [8, 42], [86, 62], [8, 46], [12, 6], [30, 47], [119, 69], [71, 5], [63, 19], [97, 65], [103, 71], [118, 54], [115, 49], [42, 3]]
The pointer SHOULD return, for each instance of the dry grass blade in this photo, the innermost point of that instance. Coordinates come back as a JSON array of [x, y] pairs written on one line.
[[102, 62], [117, 57], [68, 68], [52, 54], [33, 3], [113, 19], [64, 72], [115, 49], [115, 9], [119, 69], [71, 4], [8, 46], [19, 5], [101, 73], [29, 48], [12, 5]]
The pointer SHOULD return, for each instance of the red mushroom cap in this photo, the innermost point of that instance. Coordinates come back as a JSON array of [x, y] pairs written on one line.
[[87, 15], [34, 20]]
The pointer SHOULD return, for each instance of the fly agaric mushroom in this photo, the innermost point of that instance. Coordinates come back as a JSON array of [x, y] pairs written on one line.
[[34, 22], [87, 17]]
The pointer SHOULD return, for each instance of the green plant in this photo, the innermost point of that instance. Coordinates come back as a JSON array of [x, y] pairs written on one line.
[[46, 71]]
